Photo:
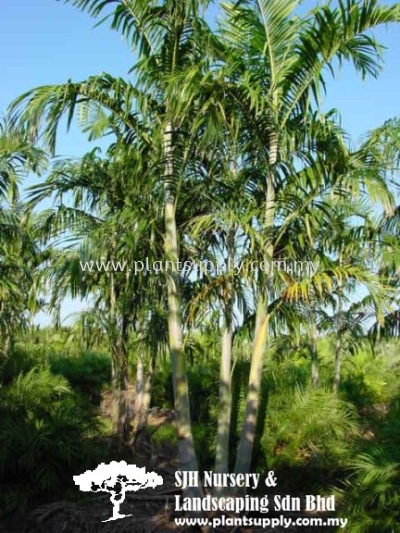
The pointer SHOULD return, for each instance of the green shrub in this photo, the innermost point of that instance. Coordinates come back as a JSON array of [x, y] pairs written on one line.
[[87, 373], [371, 494], [162, 394], [308, 426], [205, 445], [46, 437], [165, 435], [203, 392], [21, 360], [370, 380]]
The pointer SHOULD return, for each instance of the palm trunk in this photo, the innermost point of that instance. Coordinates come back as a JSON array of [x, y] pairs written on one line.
[[5, 343], [246, 443], [138, 426], [314, 351], [115, 370], [338, 348], [245, 448], [57, 317], [143, 398], [139, 387], [124, 401], [187, 454], [121, 405], [148, 389], [5, 337], [225, 381], [225, 402], [6, 346], [338, 356]]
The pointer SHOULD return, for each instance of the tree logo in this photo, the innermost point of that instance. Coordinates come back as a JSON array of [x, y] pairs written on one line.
[[117, 479]]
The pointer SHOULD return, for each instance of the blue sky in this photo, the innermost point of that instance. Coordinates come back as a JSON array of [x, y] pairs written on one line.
[[47, 42]]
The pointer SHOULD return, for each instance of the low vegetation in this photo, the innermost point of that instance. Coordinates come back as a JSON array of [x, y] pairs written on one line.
[[54, 424]]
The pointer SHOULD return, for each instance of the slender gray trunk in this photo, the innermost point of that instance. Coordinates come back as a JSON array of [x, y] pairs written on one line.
[[139, 385], [148, 389], [338, 347], [122, 402], [115, 371], [187, 454], [224, 407], [143, 398], [338, 357], [5, 342], [6, 339], [225, 404], [246, 443], [314, 351], [225, 379]]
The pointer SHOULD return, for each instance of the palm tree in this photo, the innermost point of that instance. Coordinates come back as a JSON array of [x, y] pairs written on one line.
[[149, 347], [344, 237], [171, 38], [277, 64], [221, 236], [18, 155], [386, 140], [91, 199], [20, 254], [21, 258]]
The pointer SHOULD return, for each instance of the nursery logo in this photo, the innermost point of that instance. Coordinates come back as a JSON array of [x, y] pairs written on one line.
[[117, 478]]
